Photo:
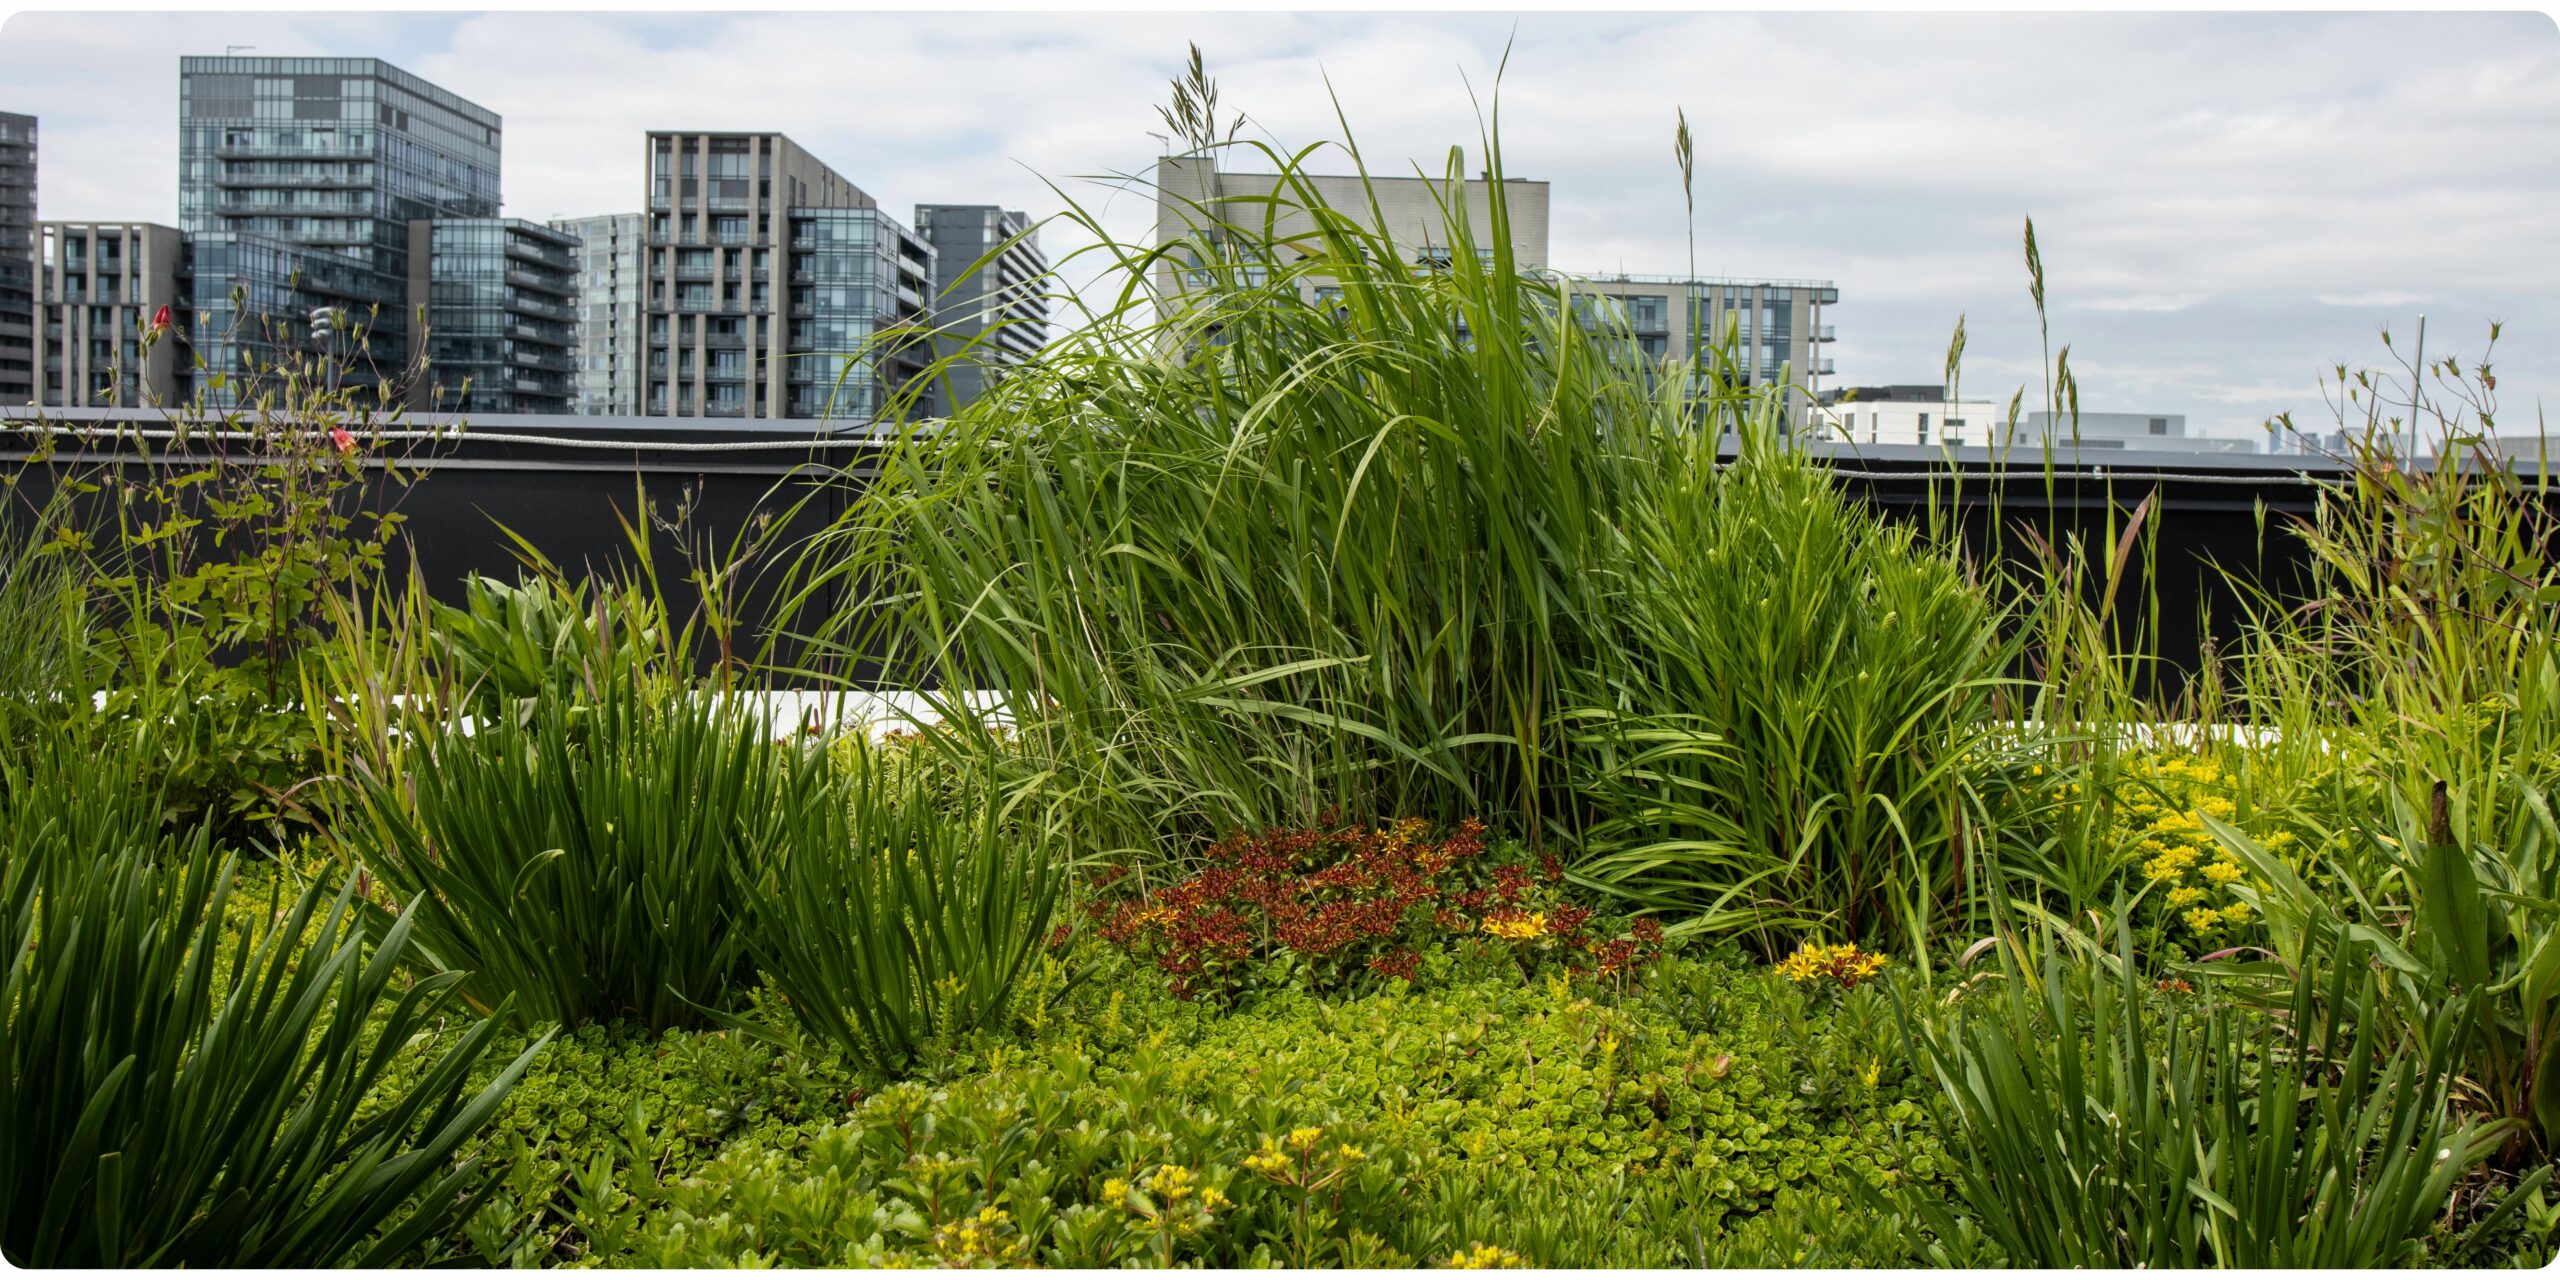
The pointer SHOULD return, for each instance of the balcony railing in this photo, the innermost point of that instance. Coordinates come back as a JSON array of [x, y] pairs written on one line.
[[270, 151]]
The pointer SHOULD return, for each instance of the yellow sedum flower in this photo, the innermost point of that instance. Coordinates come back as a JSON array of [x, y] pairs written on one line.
[[2202, 919], [1521, 927], [1483, 1257], [1843, 963]]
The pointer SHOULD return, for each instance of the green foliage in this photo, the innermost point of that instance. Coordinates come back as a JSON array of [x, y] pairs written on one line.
[[583, 857], [2419, 702], [44, 617], [2094, 1124], [186, 1084], [1258, 560], [890, 921], [541, 637], [605, 1113], [1444, 1098], [1806, 770], [223, 561], [2481, 930]]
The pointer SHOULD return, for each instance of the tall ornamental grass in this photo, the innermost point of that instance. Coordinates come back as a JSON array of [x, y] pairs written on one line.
[[1798, 714], [2415, 699], [1241, 556]]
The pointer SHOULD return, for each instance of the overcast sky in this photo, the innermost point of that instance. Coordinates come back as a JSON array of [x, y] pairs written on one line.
[[2227, 205]]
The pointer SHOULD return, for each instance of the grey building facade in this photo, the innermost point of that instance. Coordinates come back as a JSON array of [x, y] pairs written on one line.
[[17, 256], [1776, 326], [1202, 210], [990, 314], [99, 287], [776, 287], [322, 163], [611, 248], [502, 331]]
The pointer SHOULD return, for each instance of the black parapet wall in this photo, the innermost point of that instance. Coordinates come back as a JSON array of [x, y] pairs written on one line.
[[2203, 537], [2218, 527], [574, 489]]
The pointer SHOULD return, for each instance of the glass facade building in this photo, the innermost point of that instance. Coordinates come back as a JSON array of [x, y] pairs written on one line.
[[17, 258], [502, 330], [328, 160], [859, 288], [610, 251]]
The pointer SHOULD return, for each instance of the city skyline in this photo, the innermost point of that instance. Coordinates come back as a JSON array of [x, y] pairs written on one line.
[[2237, 205]]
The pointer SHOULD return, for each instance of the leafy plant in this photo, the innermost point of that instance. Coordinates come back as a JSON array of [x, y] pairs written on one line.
[[889, 922], [220, 557], [187, 1085], [542, 637], [1331, 910], [2096, 1124], [582, 857]]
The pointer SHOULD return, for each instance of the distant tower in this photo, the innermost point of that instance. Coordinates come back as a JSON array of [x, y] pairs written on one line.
[[1002, 305], [298, 179]]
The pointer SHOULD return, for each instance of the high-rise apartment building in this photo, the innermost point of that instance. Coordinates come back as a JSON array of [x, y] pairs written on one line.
[[1205, 210], [1776, 325], [302, 176], [99, 287], [992, 313], [502, 329], [610, 249], [776, 287], [17, 258]]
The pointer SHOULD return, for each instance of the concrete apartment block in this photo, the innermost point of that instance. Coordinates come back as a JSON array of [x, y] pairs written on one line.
[[98, 287]]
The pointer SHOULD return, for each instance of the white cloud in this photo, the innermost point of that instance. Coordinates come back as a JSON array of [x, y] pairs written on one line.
[[2226, 203]]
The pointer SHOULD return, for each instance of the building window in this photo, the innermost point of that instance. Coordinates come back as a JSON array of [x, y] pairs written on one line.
[[2159, 426]]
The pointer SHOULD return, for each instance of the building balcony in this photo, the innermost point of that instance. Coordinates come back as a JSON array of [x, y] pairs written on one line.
[[541, 281], [545, 255], [269, 151], [1823, 333], [228, 180], [545, 309], [535, 366]]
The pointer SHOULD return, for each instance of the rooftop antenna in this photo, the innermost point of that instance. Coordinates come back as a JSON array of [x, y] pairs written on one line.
[[1164, 145]]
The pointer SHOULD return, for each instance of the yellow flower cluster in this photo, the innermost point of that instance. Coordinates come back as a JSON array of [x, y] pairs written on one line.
[[1843, 963], [1296, 1161], [1527, 926], [982, 1237], [1483, 1257], [2166, 799]]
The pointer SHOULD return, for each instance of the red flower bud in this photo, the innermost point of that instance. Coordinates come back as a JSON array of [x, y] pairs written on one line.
[[160, 319], [338, 436]]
